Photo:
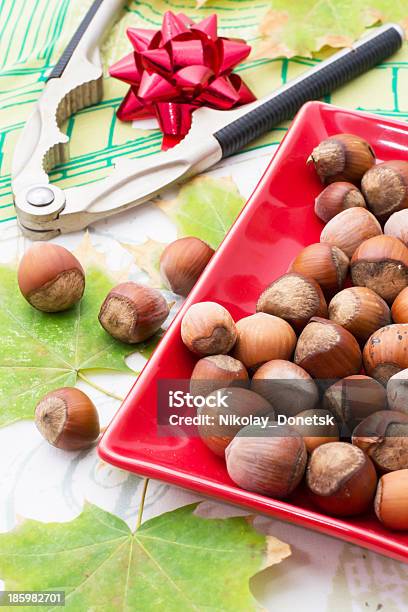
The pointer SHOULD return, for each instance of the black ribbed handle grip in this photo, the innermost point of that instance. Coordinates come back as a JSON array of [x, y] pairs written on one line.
[[314, 84]]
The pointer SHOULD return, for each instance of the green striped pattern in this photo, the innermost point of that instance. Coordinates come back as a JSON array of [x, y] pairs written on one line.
[[33, 34]]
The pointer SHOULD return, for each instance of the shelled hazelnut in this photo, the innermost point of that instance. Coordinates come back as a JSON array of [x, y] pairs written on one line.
[[399, 309], [327, 350], [286, 385], [326, 264], [216, 371], [343, 157], [295, 298], [207, 328], [353, 398], [337, 197], [316, 428], [270, 462], [132, 313], [50, 277], [386, 352], [381, 264], [341, 478], [391, 500], [385, 187], [67, 419], [397, 226], [383, 436], [359, 310], [349, 229], [262, 337], [241, 403], [182, 262], [397, 392]]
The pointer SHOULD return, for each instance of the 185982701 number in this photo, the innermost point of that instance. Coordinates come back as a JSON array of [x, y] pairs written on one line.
[[32, 598]]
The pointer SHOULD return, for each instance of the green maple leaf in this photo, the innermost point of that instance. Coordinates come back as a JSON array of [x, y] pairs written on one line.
[[305, 26], [206, 207], [176, 561], [40, 352]]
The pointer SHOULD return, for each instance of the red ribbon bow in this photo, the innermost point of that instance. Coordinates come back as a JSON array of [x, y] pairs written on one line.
[[177, 69]]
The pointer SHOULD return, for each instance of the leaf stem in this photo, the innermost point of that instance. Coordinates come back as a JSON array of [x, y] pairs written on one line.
[[98, 388], [142, 503]]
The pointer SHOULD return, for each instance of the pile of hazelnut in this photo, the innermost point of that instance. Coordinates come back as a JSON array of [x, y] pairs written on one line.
[[341, 307], [52, 280]]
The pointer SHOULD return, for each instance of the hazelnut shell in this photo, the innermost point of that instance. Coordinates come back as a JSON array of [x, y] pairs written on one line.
[[207, 328], [337, 197], [327, 265], [386, 352], [391, 500], [349, 229], [399, 309], [397, 226], [385, 188], [182, 262], [342, 157], [316, 435], [215, 372]]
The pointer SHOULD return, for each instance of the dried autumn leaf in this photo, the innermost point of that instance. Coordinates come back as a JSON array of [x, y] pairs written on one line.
[[206, 208], [305, 26], [176, 561], [147, 256]]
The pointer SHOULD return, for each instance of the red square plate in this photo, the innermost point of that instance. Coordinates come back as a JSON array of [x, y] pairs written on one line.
[[276, 223]]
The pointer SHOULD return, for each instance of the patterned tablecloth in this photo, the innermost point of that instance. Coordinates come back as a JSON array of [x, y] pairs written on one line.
[[40, 482]]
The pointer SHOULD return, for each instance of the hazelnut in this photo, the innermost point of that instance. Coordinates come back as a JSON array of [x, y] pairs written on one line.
[[316, 428], [326, 264], [269, 462], [337, 197], [349, 229], [386, 352], [381, 264], [50, 277], [67, 419], [216, 371], [242, 403], [391, 500], [352, 399], [397, 226], [132, 313], [262, 337], [182, 262], [295, 298], [341, 478], [385, 187], [207, 328], [327, 350], [343, 157], [383, 436], [359, 310], [397, 392], [399, 309], [286, 385]]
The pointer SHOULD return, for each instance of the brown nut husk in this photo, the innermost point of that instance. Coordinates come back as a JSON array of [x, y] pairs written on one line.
[[267, 463], [341, 478], [182, 262], [223, 423], [386, 352], [215, 372], [343, 157], [295, 298], [359, 310], [67, 419], [50, 277], [397, 392], [327, 350], [385, 188], [383, 436], [399, 309], [349, 229], [286, 385], [397, 226], [326, 264], [381, 264], [207, 328], [337, 197], [132, 313], [391, 500], [262, 337], [352, 399], [317, 427]]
